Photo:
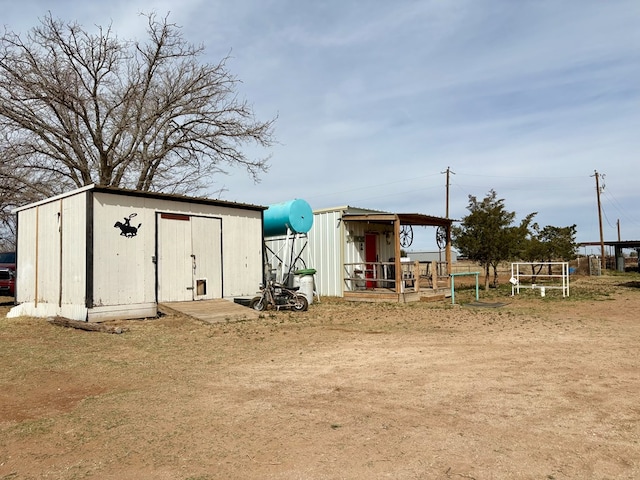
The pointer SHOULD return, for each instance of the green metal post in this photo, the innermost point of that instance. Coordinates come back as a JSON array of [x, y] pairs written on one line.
[[453, 281]]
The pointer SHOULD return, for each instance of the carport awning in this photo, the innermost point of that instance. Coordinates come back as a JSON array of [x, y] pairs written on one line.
[[618, 244], [404, 218]]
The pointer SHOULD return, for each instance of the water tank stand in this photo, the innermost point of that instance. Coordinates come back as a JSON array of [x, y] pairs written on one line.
[[289, 255]]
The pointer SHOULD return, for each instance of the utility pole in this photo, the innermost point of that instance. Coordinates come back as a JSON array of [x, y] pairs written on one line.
[[448, 247], [619, 239], [603, 262], [448, 171]]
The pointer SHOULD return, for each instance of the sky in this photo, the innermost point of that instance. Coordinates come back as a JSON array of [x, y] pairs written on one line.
[[375, 100]]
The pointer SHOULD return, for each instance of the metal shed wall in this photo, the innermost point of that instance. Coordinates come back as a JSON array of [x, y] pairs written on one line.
[[123, 269], [52, 273], [326, 252], [340, 239], [241, 246], [334, 243], [73, 261]]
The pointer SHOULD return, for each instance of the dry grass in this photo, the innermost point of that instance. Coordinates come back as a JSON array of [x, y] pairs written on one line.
[[540, 388]]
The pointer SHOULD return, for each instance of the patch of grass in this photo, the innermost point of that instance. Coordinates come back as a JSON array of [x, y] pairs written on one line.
[[34, 427]]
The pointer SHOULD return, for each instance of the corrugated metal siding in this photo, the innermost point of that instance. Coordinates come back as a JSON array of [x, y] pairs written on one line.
[[48, 253], [334, 244], [52, 249], [326, 250], [26, 266], [50, 237], [123, 266], [322, 250], [331, 245], [242, 251], [74, 243], [241, 246]]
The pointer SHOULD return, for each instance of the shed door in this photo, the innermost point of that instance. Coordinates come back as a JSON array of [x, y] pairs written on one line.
[[371, 255], [189, 258], [206, 248]]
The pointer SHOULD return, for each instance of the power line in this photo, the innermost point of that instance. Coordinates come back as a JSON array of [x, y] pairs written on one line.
[[527, 177], [604, 213], [618, 206]]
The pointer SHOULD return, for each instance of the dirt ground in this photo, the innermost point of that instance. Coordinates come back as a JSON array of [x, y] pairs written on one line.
[[539, 388]]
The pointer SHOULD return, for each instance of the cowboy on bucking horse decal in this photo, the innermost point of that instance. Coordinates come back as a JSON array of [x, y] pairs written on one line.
[[126, 230]]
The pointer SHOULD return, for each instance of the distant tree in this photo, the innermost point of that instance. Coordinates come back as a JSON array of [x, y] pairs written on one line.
[[561, 242], [512, 238], [549, 244], [78, 108], [486, 235], [533, 250]]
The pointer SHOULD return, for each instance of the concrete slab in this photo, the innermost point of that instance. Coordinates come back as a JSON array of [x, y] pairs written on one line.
[[212, 311]]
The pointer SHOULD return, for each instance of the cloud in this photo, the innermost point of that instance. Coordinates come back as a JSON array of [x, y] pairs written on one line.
[[374, 100]]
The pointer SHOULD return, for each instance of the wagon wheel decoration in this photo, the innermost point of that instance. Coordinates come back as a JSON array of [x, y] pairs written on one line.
[[441, 237], [406, 236]]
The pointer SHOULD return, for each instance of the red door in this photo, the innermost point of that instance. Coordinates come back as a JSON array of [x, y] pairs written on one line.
[[370, 255]]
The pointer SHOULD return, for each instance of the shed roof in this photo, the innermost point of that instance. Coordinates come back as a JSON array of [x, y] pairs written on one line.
[[356, 214], [347, 209], [155, 195]]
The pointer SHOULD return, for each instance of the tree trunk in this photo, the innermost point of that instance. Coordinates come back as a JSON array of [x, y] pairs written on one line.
[[92, 327], [486, 276]]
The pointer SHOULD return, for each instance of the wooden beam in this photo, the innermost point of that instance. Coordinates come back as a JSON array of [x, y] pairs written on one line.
[[434, 275], [398, 263]]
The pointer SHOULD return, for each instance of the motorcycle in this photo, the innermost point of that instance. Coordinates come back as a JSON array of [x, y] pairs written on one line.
[[277, 296]]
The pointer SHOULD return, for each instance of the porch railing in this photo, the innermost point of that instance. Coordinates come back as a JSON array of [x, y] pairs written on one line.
[[381, 275]]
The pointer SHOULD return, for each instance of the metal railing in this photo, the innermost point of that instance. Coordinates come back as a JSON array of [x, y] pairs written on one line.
[[378, 275]]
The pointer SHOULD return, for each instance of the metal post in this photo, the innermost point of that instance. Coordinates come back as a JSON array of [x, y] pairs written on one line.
[[453, 282], [448, 245], [453, 290], [477, 296]]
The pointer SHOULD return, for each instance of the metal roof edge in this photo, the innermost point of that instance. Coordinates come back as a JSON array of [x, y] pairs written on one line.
[[136, 193], [54, 198], [178, 198], [331, 209], [349, 209]]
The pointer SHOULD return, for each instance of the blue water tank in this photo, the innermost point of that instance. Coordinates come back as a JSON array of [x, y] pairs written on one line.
[[295, 214]]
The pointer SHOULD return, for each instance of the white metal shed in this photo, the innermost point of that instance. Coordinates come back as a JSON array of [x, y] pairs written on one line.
[[100, 253], [357, 253]]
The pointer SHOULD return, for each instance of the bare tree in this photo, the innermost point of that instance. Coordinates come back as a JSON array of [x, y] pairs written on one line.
[[78, 108], [18, 187]]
